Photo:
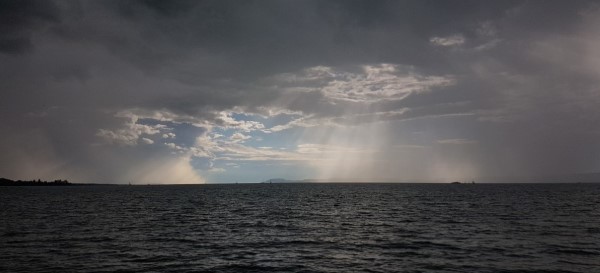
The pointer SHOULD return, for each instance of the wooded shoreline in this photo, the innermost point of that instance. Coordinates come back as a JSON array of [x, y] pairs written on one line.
[[9, 182]]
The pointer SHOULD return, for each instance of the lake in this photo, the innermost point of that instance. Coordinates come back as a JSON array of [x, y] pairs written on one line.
[[301, 228]]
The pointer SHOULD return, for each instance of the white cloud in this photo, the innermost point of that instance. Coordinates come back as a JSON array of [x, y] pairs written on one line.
[[374, 83], [232, 165], [453, 40], [225, 120], [239, 137], [233, 150], [216, 170], [147, 140], [456, 141], [381, 82], [168, 135], [175, 146], [299, 122], [131, 132]]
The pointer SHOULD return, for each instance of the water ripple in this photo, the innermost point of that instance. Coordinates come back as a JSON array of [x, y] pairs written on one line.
[[301, 228]]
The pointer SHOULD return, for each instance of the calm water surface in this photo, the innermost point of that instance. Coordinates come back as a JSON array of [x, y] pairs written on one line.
[[301, 228]]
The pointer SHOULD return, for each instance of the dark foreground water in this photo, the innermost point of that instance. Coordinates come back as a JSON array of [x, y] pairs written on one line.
[[301, 228]]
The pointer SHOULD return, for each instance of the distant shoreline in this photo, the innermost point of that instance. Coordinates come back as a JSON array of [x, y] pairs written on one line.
[[37, 183], [9, 182]]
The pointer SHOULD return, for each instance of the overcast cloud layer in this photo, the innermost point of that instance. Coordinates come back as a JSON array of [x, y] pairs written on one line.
[[225, 91]]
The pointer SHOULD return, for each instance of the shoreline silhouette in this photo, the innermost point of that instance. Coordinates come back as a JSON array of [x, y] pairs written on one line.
[[38, 182]]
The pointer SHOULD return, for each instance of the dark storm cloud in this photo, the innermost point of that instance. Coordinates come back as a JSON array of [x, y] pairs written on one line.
[[18, 19], [72, 68], [267, 36]]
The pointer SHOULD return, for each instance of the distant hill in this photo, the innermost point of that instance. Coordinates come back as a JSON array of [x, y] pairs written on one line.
[[556, 178], [8, 182], [282, 180]]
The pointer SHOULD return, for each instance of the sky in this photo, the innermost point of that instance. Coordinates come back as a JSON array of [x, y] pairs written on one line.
[[244, 91]]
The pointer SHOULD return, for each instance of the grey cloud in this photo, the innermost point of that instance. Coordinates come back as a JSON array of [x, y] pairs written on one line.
[[19, 20], [68, 67]]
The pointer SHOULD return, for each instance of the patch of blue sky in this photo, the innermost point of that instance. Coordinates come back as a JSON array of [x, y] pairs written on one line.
[[286, 139], [269, 121], [185, 133], [256, 171]]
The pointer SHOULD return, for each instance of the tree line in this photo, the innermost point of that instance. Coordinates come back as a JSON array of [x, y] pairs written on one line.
[[39, 182]]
